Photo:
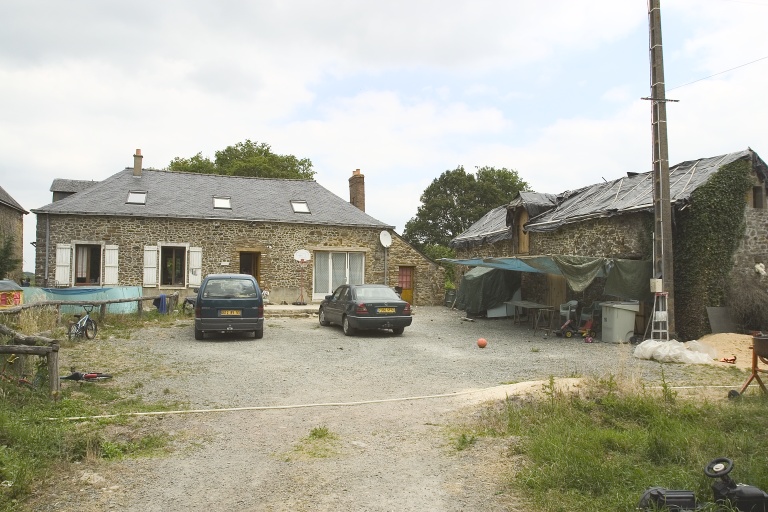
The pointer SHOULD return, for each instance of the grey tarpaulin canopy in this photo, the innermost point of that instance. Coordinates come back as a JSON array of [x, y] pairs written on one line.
[[628, 279]]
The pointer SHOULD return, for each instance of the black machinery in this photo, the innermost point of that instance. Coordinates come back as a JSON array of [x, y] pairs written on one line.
[[741, 497]]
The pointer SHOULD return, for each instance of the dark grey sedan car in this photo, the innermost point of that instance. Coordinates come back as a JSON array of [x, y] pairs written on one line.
[[365, 306]]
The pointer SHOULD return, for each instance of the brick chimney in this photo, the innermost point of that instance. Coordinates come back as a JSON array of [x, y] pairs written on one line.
[[357, 190], [137, 158]]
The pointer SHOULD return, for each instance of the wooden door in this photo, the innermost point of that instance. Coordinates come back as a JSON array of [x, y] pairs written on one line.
[[405, 282], [249, 264], [555, 290]]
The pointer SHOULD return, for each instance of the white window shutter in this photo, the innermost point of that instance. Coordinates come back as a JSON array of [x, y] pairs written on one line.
[[195, 266], [63, 264], [110, 265], [150, 265]]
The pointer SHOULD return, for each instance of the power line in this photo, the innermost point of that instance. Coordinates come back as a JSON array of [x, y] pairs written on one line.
[[720, 73]]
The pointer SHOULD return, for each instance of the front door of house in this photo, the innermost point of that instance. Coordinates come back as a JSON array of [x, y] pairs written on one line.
[[249, 264]]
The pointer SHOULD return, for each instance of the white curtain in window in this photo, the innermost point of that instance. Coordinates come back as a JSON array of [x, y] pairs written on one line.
[[355, 268], [338, 269], [322, 274], [81, 262]]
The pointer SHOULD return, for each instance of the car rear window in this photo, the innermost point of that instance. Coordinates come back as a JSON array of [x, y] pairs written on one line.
[[376, 293], [230, 288]]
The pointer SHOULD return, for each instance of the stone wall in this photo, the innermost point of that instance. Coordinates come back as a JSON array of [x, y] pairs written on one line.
[[223, 241], [626, 236], [12, 224], [754, 246]]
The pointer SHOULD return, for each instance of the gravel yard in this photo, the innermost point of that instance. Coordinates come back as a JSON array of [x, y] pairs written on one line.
[[388, 401]]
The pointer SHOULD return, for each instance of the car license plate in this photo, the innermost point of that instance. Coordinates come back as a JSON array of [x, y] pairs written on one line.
[[229, 312], [386, 310]]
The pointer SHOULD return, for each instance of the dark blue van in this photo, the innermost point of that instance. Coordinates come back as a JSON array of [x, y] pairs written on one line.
[[229, 303]]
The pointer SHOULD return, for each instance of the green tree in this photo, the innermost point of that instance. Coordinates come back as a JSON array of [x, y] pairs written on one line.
[[8, 261], [254, 159], [456, 200]]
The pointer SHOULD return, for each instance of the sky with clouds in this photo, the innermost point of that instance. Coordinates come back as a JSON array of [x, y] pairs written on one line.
[[403, 90]]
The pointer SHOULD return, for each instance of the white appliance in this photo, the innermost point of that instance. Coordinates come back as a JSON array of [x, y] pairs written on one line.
[[618, 324]]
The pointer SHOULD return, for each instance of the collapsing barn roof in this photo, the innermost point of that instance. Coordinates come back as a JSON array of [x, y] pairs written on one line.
[[497, 224], [635, 192]]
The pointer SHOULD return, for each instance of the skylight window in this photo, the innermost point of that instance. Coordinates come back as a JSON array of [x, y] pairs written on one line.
[[136, 197], [222, 203], [299, 206]]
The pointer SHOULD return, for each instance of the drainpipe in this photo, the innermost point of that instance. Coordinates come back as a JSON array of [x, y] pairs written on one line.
[[47, 245]]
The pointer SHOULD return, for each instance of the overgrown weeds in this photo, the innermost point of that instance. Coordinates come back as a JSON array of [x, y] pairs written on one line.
[[600, 448], [36, 437]]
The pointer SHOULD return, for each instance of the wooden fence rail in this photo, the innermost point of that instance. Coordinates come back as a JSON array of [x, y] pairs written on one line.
[[172, 301], [28, 345]]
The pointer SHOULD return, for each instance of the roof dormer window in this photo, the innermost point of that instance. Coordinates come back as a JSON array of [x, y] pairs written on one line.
[[299, 206], [137, 197], [222, 203]]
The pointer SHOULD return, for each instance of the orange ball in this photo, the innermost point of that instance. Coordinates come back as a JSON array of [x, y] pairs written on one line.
[[482, 342]]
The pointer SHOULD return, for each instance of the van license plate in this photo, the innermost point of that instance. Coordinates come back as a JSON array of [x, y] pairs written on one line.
[[229, 312], [386, 310]]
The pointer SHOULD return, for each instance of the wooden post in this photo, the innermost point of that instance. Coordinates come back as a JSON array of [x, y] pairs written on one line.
[[53, 370], [102, 312]]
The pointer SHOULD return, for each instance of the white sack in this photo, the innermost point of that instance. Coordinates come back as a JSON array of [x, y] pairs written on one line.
[[673, 351]]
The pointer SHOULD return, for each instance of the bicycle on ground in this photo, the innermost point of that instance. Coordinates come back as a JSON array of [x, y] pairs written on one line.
[[85, 325], [87, 376]]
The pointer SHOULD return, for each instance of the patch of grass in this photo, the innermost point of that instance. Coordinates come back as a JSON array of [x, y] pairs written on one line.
[[320, 443], [599, 449], [464, 441]]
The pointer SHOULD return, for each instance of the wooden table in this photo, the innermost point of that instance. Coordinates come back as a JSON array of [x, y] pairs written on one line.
[[537, 313]]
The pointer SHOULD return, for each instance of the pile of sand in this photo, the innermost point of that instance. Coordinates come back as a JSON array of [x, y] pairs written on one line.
[[730, 345]]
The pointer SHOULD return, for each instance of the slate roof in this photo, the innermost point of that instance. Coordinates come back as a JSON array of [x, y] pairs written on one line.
[[635, 192], [7, 200], [190, 196], [62, 185]]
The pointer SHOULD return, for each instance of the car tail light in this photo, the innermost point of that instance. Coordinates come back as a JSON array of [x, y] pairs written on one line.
[[198, 312], [360, 309], [260, 311], [407, 309]]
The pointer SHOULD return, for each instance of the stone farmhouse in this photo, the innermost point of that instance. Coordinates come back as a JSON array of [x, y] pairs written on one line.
[[165, 230], [720, 233], [12, 224]]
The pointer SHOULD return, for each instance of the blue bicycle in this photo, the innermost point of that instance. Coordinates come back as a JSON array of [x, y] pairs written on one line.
[[85, 325]]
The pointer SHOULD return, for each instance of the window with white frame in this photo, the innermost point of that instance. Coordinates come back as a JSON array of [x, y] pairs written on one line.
[[222, 203], [137, 197], [333, 269], [299, 206], [170, 264], [87, 264]]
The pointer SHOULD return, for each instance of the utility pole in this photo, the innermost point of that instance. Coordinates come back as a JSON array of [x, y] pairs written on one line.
[[663, 260]]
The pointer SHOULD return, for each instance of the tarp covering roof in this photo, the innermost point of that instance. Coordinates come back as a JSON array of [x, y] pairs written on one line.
[[628, 279], [635, 192], [491, 228], [497, 225]]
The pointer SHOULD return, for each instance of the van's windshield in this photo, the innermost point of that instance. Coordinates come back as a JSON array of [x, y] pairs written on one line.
[[230, 288]]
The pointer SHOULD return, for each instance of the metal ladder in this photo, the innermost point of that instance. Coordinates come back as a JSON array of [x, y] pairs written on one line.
[[660, 318]]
